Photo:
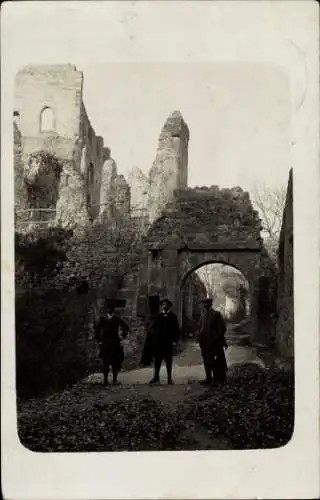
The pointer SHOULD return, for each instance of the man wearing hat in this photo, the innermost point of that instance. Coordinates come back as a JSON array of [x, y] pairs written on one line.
[[212, 343], [109, 337], [163, 335]]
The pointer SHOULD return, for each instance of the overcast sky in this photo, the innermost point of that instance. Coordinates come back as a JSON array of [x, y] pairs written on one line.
[[248, 108], [238, 115]]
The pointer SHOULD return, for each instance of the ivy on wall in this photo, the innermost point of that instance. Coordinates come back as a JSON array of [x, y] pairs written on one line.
[[41, 177]]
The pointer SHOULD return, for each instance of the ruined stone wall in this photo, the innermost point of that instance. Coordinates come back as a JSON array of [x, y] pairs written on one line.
[[199, 227], [115, 196], [216, 216], [92, 157], [121, 201], [21, 195], [52, 118], [109, 173], [170, 168], [285, 298], [139, 188]]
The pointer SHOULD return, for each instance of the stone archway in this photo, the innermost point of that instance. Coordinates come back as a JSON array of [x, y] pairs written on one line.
[[248, 263], [230, 290], [202, 226]]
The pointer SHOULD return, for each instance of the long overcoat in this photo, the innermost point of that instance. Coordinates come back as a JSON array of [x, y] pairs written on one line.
[[162, 332]]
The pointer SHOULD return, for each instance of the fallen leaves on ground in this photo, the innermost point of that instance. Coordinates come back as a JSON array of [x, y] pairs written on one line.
[[254, 410]]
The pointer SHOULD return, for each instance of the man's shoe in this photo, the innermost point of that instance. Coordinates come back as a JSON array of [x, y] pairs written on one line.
[[170, 381]]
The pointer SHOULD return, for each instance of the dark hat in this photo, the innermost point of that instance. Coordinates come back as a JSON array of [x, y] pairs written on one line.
[[167, 301], [207, 301]]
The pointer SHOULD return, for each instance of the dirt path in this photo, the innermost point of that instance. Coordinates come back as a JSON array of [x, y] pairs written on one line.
[[179, 398], [133, 416], [187, 369]]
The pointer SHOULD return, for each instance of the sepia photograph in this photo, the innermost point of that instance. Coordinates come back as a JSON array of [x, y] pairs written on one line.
[[154, 297], [160, 250]]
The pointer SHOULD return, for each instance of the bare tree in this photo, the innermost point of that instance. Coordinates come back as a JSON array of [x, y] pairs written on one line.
[[209, 275], [270, 204]]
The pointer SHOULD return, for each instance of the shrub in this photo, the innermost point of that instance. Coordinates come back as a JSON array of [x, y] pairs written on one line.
[[52, 346]]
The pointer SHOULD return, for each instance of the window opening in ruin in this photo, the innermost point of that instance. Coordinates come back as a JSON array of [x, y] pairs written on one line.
[[91, 174], [16, 117], [155, 254], [88, 199], [83, 288], [154, 304], [67, 180], [46, 120], [120, 303]]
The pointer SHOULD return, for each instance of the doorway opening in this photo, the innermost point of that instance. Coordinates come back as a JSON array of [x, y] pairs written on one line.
[[154, 304], [226, 286]]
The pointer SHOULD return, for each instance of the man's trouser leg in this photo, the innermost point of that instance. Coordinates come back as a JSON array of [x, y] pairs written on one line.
[[168, 361], [115, 371], [105, 370], [157, 366], [207, 367]]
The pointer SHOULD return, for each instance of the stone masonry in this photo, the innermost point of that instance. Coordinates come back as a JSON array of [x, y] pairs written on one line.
[[169, 171], [199, 226], [139, 186], [185, 228], [285, 304], [50, 116]]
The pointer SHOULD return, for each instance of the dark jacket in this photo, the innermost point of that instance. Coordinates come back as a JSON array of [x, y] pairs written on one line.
[[212, 341], [163, 331], [212, 331], [108, 334]]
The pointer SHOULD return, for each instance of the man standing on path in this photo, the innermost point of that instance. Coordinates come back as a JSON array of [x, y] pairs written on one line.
[[109, 337], [212, 343], [161, 341]]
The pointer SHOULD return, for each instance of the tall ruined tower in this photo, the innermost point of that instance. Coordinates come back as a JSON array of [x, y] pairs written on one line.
[[114, 191], [170, 167]]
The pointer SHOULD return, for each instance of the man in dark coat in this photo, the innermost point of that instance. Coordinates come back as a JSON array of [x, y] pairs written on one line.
[[160, 342], [109, 337], [212, 343]]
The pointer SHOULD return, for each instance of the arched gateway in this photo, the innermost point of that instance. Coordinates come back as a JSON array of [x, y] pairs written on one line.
[[201, 226]]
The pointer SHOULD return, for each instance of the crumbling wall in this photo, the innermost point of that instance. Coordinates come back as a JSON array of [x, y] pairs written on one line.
[[139, 188], [213, 215], [121, 197], [53, 119], [170, 168], [21, 195], [285, 297], [109, 173], [199, 226], [92, 157], [114, 192]]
